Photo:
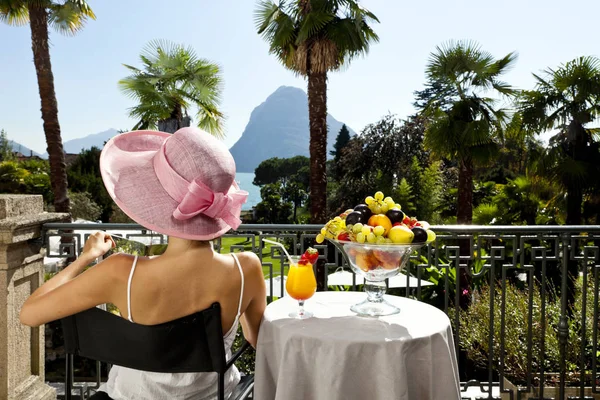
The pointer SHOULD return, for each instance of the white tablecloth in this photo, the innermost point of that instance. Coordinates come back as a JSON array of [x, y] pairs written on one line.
[[338, 355]]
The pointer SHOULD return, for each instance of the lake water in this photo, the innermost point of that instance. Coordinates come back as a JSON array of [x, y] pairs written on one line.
[[244, 180]]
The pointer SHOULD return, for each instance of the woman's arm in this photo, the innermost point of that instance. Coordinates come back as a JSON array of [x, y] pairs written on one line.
[[253, 314], [70, 291]]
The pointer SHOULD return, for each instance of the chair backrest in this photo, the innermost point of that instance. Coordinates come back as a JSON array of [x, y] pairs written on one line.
[[189, 344]]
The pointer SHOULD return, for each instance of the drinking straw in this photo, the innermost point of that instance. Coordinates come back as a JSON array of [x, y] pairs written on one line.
[[280, 245]]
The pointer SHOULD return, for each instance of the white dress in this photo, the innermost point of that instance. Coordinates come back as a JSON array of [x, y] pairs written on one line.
[[130, 384]]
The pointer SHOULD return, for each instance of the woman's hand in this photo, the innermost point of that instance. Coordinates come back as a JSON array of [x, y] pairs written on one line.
[[98, 244]]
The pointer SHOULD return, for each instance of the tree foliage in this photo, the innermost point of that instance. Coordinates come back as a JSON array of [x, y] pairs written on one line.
[[377, 159], [465, 124], [83, 207], [84, 176], [27, 177], [172, 81], [289, 177], [567, 99]]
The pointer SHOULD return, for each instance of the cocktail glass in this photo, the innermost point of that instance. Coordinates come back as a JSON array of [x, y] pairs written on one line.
[[300, 285]]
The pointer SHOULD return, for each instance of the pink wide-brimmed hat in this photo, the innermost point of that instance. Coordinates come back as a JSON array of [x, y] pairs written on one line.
[[180, 184]]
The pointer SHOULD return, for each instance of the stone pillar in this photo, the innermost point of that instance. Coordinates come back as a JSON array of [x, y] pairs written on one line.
[[21, 272]]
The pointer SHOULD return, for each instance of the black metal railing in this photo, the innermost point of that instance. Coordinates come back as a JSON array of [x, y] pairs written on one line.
[[523, 300]]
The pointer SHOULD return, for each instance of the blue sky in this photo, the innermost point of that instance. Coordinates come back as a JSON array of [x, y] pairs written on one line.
[[87, 67]]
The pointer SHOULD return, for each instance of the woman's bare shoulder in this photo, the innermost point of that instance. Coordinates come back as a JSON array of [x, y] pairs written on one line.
[[250, 263]]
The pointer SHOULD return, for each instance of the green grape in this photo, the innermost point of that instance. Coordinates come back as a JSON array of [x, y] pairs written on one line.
[[369, 200], [398, 206], [337, 219], [384, 208], [376, 209], [371, 238], [388, 240], [323, 231], [366, 230], [379, 196], [389, 201], [380, 240], [360, 237], [379, 230], [357, 227], [320, 238]]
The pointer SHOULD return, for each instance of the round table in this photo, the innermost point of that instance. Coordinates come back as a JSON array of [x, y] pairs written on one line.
[[338, 355]]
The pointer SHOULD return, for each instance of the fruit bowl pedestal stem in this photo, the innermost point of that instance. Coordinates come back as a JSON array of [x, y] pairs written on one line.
[[374, 305]]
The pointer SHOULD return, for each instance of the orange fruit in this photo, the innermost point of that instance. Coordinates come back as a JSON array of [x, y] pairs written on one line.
[[381, 220]]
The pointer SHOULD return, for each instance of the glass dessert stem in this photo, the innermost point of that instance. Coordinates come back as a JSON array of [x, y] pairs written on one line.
[[374, 305], [375, 291], [301, 309]]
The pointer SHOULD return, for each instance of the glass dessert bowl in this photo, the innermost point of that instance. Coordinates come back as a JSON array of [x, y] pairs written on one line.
[[376, 263]]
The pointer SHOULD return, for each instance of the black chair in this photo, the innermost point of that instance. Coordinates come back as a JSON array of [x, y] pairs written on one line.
[[189, 344]]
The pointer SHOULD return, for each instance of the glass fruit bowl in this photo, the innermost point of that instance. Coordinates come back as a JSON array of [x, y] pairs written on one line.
[[376, 263]]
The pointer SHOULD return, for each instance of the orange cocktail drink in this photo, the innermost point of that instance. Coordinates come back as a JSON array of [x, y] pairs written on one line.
[[301, 285]]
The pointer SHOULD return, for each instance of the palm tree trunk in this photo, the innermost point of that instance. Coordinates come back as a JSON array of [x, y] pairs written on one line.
[[38, 17], [175, 121], [574, 200], [317, 114], [465, 216], [465, 192]]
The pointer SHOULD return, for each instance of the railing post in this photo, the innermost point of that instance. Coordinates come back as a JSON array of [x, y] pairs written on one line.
[[21, 272]]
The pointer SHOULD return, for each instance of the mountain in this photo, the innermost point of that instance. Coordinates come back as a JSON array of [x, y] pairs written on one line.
[[279, 128], [26, 151], [74, 146]]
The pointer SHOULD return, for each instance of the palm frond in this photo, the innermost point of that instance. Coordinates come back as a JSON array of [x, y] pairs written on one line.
[[312, 24], [172, 81], [69, 17], [332, 32], [14, 12]]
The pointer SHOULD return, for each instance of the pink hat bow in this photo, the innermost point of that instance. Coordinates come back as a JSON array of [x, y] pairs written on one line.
[[197, 198], [200, 199]]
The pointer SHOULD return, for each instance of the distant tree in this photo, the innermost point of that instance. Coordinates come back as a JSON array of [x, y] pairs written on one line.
[[119, 217], [376, 160], [568, 99], [83, 207], [173, 80], [312, 38], [288, 175], [272, 209], [341, 141], [467, 127], [6, 150], [67, 17], [426, 187], [404, 196], [84, 176], [29, 177]]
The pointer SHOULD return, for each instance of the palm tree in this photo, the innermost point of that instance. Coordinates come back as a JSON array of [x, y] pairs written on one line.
[[311, 38], [172, 80], [464, 122], [66, 17], [568, 100]]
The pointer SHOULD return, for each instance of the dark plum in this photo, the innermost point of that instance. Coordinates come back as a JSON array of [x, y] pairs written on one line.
[[354, 217], [395, 215], [365, 211], [420, 235]]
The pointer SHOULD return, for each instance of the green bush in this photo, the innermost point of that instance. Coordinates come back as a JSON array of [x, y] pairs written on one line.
[[475, 330], [83, 207]]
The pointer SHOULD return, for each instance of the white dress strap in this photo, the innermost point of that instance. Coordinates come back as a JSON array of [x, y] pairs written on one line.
[[129, 288], [242, 287]]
